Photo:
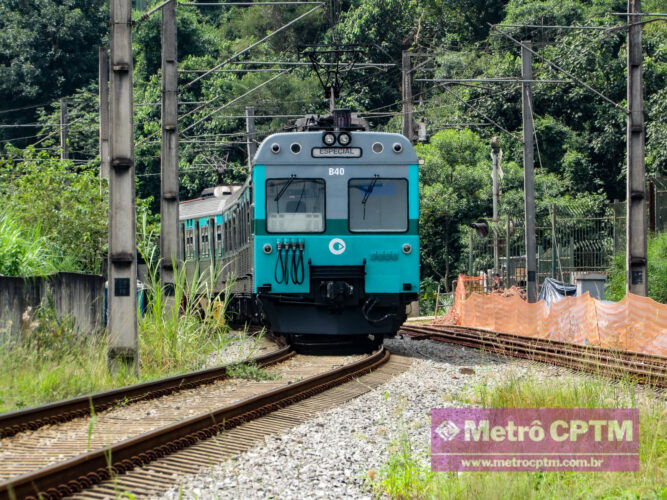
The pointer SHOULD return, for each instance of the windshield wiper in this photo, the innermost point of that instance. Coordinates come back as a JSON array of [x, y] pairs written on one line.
[[368, 193], [284, 188]]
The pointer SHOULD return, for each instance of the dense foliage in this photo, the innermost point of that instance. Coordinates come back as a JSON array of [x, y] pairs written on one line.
[[580, 155], [58, 208]]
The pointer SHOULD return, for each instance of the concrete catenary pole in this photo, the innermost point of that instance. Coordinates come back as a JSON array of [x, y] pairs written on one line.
[[64, 147], [636, 254], [407, 96], [104, 112], [496, 156], [250, 132], [528, 171], [122, 292], [169, 159]]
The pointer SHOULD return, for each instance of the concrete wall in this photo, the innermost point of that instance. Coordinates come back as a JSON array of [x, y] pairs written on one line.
[[73, 295]]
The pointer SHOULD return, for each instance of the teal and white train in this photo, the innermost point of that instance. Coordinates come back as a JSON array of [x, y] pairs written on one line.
[[321, 242]]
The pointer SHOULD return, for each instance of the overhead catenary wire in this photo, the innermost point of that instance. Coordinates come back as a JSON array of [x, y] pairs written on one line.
[[560, 27], [220, 108], [491, 120], [557, 67], [247, 4], [250, 47]]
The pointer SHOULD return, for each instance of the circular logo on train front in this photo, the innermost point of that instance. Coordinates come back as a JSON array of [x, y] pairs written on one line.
[[336, 246]]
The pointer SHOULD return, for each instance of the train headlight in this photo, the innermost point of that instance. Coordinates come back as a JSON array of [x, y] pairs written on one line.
[[275, 147], [398, 147], [267, 248], [329, 139], [407, 248], [344, 139]]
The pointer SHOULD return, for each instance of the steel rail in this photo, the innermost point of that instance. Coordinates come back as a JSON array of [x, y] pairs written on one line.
[[74, 475], [61, 411], [588, 350], [643, 368], [585, 353]]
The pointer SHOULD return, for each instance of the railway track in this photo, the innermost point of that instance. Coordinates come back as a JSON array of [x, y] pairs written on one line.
[[33, 418], [143, 453], [642, 368]]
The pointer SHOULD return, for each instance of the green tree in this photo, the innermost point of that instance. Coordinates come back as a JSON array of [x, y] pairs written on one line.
[[48, 49], [64, 203]]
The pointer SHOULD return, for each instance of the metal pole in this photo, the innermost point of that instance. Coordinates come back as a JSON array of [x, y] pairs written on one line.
[[496, 156], [250, 129], [407, 96], [553, 240], [169, 158], [507, 254], [528, 171], [64, 147], [636, 254], [104, 112], [470, 253], [122, 219]]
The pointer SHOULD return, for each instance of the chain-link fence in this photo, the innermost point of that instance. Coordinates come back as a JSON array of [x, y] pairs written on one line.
[[567, 242]]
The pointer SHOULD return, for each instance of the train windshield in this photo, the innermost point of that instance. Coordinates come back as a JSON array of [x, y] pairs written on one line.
[[378, 205], [295, 205]]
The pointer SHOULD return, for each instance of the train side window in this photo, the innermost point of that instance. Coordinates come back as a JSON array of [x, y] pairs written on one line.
[[295, 205], [181, 241], [218, 239], [243, 222], [189, 243], [212, 242], [378, 205], [204, 244], [196, 241]]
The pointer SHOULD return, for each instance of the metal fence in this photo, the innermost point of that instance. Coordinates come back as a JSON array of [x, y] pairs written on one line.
[[567, 242]]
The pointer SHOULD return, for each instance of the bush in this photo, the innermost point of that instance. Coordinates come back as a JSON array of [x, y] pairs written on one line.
[[657, 272], [26, 252]]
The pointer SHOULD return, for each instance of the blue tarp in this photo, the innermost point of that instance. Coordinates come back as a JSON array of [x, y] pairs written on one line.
[[553, 291]]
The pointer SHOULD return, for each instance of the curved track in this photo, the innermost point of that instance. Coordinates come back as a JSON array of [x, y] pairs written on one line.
[[643, 368], [74, 475]]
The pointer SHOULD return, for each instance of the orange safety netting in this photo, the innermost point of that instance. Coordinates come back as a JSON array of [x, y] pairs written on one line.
[[637, 324]]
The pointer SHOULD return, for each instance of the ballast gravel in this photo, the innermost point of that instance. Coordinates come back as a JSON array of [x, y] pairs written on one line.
[[337, 453]]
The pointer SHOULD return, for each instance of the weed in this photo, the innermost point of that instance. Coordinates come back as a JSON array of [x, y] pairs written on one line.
[[53, 362], [250, 371], [406, 475]]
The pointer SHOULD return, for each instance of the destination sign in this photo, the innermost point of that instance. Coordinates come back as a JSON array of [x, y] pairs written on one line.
[[336, 152]]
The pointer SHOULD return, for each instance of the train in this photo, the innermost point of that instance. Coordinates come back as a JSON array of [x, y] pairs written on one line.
[[320, 244]]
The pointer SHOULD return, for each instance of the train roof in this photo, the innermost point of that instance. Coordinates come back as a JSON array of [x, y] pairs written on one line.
[[393, 149], [204, 206]]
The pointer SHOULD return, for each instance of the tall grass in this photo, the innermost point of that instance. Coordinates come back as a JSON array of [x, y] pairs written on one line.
[[51, 361], [529, 392], [26, 252]]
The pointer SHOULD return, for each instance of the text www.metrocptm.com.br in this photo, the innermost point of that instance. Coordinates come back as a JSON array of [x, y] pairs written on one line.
[[536, 463]]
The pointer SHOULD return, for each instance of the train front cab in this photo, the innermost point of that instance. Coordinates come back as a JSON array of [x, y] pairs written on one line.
[[336, 239]]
